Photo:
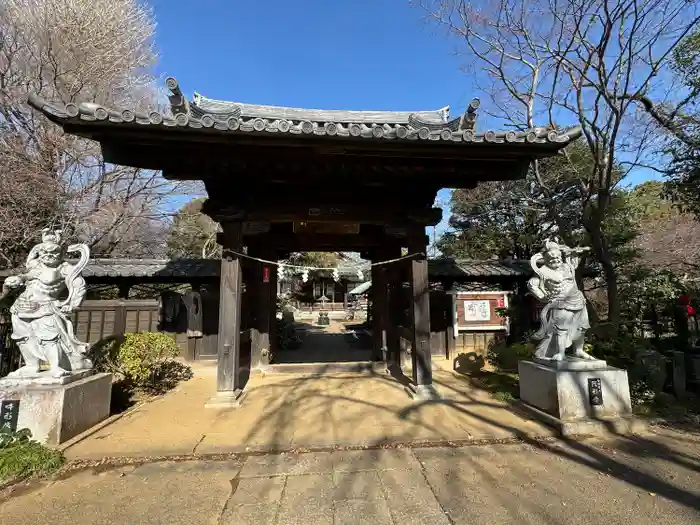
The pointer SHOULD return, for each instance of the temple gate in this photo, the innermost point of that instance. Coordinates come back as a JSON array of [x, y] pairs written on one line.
[[284, 180]]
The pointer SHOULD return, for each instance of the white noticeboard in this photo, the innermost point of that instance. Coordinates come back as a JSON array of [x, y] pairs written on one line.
[[477, 310]]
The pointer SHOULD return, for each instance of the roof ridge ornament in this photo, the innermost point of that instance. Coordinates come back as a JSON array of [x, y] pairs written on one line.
[[178, 102], [466, 121]]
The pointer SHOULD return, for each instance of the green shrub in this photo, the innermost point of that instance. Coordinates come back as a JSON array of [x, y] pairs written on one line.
[[143, 360], [646, 367], [505, 357], [21, 457], [620, 351]]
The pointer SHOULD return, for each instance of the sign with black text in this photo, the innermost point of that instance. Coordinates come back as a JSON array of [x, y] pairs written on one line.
[[9, 414], [595, 391]]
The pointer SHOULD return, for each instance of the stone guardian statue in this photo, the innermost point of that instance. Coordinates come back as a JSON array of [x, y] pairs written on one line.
[[564, 319], [52, 289]]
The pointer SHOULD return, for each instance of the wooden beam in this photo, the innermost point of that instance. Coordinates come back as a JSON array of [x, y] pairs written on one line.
[[289, 242], [120, 142], [365, 214]]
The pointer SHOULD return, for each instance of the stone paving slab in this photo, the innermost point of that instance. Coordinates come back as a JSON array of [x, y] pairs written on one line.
[[641, 480]]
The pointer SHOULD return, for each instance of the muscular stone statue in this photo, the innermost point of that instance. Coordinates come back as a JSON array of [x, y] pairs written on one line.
[[565, 318], [53, 288]]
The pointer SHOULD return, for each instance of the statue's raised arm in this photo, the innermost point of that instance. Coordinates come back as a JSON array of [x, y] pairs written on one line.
[[573, 255], [74, 278]]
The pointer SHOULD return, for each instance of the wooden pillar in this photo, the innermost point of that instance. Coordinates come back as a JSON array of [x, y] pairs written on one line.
[[420, 315], [379, 309], [394, 284], [449, 287], [261, 305], [124, 287], [193, 304], [272, 311], [229, 344], [380, 301]]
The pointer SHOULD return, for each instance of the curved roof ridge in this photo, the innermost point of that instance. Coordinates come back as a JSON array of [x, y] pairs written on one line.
[[214, 106], [250, 118]]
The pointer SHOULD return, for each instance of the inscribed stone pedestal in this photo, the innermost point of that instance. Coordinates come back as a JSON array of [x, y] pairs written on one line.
[[56, 412], [575, 395]]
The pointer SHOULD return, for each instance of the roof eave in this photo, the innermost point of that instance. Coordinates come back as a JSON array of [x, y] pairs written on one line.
[[91, 120]]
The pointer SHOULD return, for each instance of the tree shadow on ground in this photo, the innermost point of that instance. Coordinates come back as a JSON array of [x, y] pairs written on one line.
[[589, 454], [503, 385]]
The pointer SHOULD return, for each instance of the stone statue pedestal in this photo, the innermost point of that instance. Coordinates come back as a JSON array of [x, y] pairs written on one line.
[[58, 409], [577, 396]]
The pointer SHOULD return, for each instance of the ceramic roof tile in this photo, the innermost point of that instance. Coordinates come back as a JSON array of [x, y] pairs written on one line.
[[231, 117]]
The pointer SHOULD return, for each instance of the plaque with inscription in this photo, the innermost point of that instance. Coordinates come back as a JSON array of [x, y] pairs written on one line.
[[595, 391], [9, 414], [477, 311], [326, 227]]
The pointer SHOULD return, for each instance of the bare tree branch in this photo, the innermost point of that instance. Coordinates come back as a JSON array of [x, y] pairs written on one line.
[[77, 50]]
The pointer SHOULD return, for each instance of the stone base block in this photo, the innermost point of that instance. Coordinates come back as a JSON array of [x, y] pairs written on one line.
[[224, 400], [572, 363], [426, 393], [422, 392], [582, 398], [588, 427], [55, 413]]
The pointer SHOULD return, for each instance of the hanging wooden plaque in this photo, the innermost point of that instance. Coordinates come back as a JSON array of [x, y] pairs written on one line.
[[322, 227]]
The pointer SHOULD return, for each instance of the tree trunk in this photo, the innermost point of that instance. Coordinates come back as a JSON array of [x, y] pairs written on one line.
[[613, 299], [604, 257]]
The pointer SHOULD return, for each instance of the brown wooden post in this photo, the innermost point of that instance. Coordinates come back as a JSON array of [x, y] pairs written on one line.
[[379, 308], [272, 310], [119, 318], [229, 344], [193, 303], [251, 304], [263, 302], [393, 342], [452, 312], [420, 293], [124, 287]]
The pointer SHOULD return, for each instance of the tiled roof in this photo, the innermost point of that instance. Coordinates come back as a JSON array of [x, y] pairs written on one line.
[[232, 117], [186, 268], [152, 268], [210, 268], [487, 268]]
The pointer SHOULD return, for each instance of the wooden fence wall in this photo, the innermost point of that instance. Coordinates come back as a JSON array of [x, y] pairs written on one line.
[[95, 320]]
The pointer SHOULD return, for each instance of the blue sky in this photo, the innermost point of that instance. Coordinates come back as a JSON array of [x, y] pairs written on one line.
[[334, 54]]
